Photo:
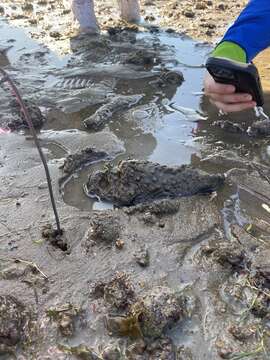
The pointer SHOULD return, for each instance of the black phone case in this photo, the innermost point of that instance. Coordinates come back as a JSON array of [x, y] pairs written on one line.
[[244, 77]]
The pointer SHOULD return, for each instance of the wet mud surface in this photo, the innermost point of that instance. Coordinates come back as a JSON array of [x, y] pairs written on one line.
[[159, 276]]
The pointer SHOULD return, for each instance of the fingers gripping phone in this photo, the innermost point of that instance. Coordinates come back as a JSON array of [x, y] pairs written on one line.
[[244, 77]]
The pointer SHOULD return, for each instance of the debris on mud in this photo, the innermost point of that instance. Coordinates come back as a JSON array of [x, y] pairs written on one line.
[[133, 182], [18, 119], [64, 316], [142, 257], [55, 239], [229, 126], [104, 228], [162, 348], [169, 78], [75, 161], [104, 114], [136, 349], [230, 253], [158, 311], [150, 316], [261, 263], [3, 54], [140, 58], [13, 322], [118, 293], [226, 159], [81, 351], [123, 325], [199, 19], [260, 128], [242, 333], [112, 353], [25, 271]]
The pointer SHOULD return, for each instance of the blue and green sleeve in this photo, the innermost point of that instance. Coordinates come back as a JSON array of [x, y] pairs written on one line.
[[250, 33]]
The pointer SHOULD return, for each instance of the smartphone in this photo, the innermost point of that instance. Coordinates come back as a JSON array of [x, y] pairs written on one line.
[[245, 77]]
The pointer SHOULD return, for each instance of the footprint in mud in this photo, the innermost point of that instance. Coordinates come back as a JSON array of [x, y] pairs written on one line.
[[133, 182]]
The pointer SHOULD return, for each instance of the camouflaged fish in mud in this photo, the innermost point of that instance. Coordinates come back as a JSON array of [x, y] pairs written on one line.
[[133, 182], [75, 161], [105, 112]]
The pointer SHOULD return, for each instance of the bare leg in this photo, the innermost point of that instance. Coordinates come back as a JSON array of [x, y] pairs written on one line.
[[84, 13], [130, 10]]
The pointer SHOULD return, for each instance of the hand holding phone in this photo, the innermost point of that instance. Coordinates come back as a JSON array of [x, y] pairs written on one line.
[[244, 77]]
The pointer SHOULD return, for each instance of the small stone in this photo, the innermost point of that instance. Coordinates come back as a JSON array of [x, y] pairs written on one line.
[[66, 11], [33, 21], [55, 34], [142, 256], [189, 14], [222, 7], [150, 18], [119, 244]]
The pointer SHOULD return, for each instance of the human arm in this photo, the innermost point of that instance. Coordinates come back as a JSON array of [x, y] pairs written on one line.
[[249, 35]]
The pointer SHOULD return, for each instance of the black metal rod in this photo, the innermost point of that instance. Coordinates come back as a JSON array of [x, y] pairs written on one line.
[[6, 78]]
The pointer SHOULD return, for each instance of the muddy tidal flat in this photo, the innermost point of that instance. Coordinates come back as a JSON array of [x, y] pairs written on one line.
[[164, 204]]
